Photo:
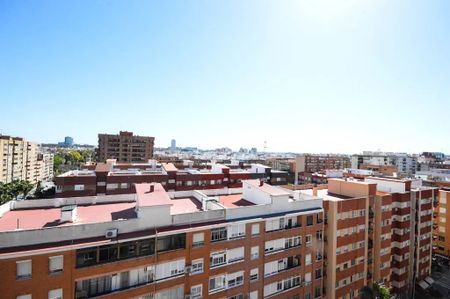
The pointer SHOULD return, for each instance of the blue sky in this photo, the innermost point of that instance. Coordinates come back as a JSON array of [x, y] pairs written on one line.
[[311, 76]]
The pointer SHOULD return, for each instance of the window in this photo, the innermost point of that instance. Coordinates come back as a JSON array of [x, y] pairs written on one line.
[[55, 264], [78, 187], [198, 239], [292, 242], [318, 273], [254, 295], [196, 291], [235, 279], [255, 229], [24, 296], [240, 296], [308, 240], [217, 259], [308, 277], [307, 296], [108, 253], [23, 269], [308, 259], [170, 269], [218, 234], [55, 294], [172, 242], [319, 235], [216, 283], [317, 292], [254, 274], [236, 230], [309, 220], [197, 266], [254, 252], [235, 254], [128, 249]]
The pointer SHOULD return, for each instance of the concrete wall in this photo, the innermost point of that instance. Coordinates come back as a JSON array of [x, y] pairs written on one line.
[[58, 202], [348, 188], [255, 195], [388, 186]]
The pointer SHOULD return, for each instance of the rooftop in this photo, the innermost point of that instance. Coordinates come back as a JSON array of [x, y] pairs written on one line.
[[25, 219], [272, 190], [234, 201], [159, 197]]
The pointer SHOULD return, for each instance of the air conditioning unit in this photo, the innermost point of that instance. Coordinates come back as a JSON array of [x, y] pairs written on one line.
[[188, 269], [188, 296], [111, 233]]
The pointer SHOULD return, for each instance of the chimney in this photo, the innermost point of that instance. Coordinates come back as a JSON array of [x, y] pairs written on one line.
[[261, 183], [152, 188], [68, 214]]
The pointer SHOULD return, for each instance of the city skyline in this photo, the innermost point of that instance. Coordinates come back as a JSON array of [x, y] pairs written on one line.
[[305, 77]]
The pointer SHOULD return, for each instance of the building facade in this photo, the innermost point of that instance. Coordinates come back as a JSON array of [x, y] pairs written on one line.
[[119, 178], [260, 242], [22, 160], [441, 233], [125, 147], [405, 163]]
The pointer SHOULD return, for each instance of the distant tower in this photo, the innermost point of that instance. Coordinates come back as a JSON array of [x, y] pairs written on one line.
[[265, 146], [68, 141], [173, 144]]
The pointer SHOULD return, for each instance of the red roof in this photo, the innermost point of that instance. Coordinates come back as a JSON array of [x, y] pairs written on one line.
[[234, 201], [49, 217], [159, 197]]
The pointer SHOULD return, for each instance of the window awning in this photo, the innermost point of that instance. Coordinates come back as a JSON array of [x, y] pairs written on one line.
[[429, 280], [423, 284]]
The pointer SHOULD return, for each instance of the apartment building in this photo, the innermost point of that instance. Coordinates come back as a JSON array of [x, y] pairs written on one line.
[[347, 234], [22, 160], [125, 147], [260, 241], [317, 163], [119, 178], [405, 163], [411, 224], [377, 230], [46, 166], [441, 233]]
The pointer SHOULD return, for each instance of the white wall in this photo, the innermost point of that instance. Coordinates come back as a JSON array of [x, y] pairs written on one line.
[[255, 195], [58, 202], [5, 208], [388, 186]]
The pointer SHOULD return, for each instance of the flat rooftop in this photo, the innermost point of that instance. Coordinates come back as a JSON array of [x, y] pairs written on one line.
[[234, 201], [49, 217], [157, 196]]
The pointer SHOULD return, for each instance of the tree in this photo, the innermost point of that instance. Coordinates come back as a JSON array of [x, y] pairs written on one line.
[[58, 160], [381, 291], [10, 191], [75, 157]]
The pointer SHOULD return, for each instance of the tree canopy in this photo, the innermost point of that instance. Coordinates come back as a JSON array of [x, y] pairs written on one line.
[[10, 191]]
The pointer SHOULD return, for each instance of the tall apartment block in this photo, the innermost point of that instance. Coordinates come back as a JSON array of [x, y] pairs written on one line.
[[258, 242], [125, 147], [22, 160], [441, 234], [376, 231], [357, 244], [411, 240]]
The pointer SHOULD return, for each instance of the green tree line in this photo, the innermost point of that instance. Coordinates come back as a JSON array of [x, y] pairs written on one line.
[[10, 191]]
